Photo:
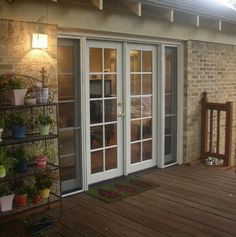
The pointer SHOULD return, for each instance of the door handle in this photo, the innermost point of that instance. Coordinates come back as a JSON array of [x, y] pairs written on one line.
[[120, 114]]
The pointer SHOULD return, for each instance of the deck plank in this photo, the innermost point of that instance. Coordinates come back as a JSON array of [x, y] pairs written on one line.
[[197, 201]]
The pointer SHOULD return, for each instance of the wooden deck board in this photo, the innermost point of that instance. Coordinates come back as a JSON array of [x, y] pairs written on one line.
[[197, 201]]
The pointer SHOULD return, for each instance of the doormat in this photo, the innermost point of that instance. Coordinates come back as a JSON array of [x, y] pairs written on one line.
[[121, 189]]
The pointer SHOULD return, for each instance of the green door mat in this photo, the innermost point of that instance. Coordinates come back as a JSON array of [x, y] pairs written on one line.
[[120, 189]]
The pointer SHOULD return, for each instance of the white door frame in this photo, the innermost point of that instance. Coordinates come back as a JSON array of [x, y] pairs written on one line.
[[130, 168], [85, 88], [93, 178]]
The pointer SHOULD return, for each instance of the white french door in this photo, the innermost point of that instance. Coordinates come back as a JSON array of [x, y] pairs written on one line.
[[141, 103], [105, 120]]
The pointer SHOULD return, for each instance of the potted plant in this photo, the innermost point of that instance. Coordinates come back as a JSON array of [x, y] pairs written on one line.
[[44, 156], [2, 126], [34, 194], [44, 121], [21, 197], [16, 89], [18, 122], [30, 99], [6, 198], [22, 159], [44, 182], [6, 162]]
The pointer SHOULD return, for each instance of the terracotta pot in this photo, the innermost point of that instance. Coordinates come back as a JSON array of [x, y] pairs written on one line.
[[21, 200], [37, 198], [41, 161], [18, 96], [45, 193], [6, 203]]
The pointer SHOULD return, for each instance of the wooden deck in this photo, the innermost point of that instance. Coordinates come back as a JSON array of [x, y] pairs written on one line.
[[192, 200]]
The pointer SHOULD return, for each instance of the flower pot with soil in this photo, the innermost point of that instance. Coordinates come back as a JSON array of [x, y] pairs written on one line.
[[21, 197], [18, 123], [6, 199], [17, 90], [34, 194], [45, 122], [6, 162], [44, 182]]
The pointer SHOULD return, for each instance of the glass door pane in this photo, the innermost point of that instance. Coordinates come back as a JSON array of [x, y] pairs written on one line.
[[69, 114], [141, 107], [103, 100], [170, 104]]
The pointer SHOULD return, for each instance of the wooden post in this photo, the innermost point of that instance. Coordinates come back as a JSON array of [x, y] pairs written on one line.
[[228, 132], [204, 126]]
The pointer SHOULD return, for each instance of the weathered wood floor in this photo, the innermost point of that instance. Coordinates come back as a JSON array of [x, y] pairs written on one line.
[[193, 200]]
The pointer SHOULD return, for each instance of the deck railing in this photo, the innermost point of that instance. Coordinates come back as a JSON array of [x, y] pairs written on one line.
[[211, 128]]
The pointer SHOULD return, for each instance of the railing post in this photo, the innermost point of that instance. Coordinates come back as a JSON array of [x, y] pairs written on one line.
[[204, 126], [228, 133]]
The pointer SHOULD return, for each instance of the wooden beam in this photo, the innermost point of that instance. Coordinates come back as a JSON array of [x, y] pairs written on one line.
[[135, 7], [98, 4], [196, 20], [170, 15]]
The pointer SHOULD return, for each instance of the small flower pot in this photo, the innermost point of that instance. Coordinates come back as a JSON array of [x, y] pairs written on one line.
[[21, 200], [31, 101], [45, 193], [22, 166], [18, 96], [6, 203], [44, 130], [3, 171], [1, 131], [18, 132], [41, 161], [37, 198]]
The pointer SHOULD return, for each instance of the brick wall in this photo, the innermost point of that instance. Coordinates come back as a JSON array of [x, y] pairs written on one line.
[[209, 67], [16, 54]]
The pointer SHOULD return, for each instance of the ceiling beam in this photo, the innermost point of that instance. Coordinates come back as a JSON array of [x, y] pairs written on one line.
[[98, 4], [135, 7], [196, 20], [170, 15]]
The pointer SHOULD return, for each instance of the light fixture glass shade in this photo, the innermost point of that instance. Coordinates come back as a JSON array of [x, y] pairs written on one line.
[[40, 41]]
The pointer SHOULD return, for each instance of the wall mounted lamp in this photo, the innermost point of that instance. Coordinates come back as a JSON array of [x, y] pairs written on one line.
[[39, 41]]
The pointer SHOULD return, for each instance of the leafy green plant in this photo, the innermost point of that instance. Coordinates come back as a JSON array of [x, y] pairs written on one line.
[[2, 123], [5, 190], [44, 119], [33, 190], [5, 159], [50, 152], [21, 154], [18, 119], [15, 83], [24, 189], [43, 180]]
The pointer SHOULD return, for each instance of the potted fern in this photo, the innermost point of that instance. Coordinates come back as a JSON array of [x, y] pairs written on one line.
[[6, 198], [18, 122], [16, 89], [44, 182], [21, 197], [44, 121], [6, 162], [22, 159], [2, 126], [34, 194]]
